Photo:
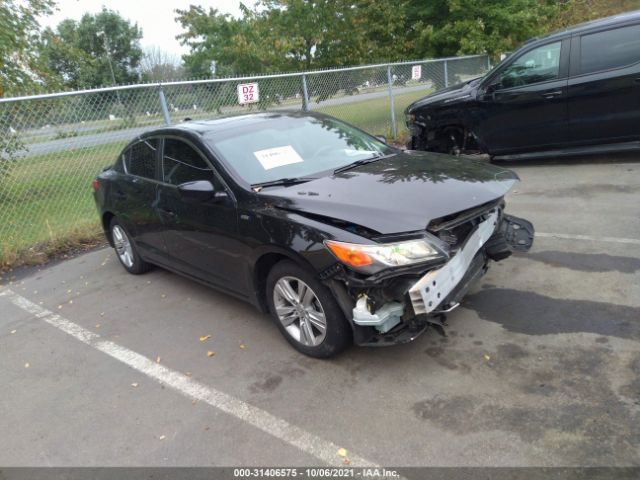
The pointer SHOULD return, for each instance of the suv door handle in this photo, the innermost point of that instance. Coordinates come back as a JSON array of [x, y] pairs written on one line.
[[554, 94], [169, 213]]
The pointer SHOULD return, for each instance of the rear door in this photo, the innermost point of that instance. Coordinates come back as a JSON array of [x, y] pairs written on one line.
[[134, 197], [202, 237], [604, 88], [524, 106]]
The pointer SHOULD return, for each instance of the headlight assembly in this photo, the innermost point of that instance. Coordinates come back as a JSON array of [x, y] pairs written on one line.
[[384, 254]]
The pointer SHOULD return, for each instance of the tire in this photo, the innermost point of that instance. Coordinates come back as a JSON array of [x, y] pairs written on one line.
[[453, 142], [126, 250], [294, 318]]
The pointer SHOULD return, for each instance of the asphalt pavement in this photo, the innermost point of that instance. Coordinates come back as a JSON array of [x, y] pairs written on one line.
[[540, 365]]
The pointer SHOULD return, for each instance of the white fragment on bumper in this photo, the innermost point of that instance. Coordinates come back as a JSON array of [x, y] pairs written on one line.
[[429, 292]]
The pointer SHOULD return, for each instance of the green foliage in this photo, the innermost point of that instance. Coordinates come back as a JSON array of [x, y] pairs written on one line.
[[462, 27], [99, 50], [60, 134], [292, 35], [10, 147], [20, 67]]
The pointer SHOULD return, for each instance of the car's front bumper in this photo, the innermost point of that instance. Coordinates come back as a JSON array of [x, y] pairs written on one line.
[[441, 290], [429, 293]]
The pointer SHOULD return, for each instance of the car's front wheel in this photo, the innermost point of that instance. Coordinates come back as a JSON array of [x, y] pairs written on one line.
[[306, 312], [126, 250]]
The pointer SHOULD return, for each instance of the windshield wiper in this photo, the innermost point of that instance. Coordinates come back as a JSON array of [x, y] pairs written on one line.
[[256, 187], [364, 161]]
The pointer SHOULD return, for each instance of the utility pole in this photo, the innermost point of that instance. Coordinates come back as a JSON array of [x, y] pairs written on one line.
[[105, 39]]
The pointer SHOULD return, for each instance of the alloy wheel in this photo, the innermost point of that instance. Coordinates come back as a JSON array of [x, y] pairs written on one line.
[[123, 246], [300, 311]]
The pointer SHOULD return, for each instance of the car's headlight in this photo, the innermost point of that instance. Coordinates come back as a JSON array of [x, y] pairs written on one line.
[[384, 254]]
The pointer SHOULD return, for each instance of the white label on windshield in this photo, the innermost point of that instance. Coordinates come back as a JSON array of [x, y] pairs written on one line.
[[277, 157]]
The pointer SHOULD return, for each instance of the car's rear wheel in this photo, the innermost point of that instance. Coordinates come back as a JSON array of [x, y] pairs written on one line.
[[126, 250], [306, 312]]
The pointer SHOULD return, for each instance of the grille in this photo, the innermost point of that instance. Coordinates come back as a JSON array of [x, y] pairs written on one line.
[[454, 229]]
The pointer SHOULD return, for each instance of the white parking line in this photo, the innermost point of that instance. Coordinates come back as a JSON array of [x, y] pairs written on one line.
[[323, 450], [589, 238]]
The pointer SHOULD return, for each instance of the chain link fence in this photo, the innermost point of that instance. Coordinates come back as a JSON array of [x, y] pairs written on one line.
[[52, 146]]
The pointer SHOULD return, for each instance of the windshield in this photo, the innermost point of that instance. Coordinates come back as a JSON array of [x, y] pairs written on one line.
[[268, 148]]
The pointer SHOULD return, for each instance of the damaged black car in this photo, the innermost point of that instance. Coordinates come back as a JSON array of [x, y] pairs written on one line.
[[571, 92], [340, 237]]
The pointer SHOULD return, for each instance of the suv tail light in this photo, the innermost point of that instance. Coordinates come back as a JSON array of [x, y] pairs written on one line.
[[95, 185]]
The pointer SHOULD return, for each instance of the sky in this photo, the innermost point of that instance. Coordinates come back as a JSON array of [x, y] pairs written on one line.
[[155, 17]]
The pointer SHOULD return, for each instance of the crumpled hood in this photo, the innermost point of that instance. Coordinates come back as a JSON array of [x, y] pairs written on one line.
[[398, 194], [454, 92]]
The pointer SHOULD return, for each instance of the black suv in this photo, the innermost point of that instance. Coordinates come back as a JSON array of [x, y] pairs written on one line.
[[573, 91]]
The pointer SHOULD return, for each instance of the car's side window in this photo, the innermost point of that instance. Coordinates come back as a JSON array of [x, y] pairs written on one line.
[[538, 65], [610, 49], [140, 158], [181, 163]]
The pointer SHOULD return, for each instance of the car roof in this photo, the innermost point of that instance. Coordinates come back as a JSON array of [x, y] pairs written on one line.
[[219, 124], [614, 20]]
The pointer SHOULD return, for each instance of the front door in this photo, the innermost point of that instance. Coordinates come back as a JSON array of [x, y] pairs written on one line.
[[524, 107], [201, 237]]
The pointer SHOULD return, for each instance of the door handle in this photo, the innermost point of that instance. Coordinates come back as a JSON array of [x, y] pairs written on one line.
[[637, 80], [169, 213], [554, 94]]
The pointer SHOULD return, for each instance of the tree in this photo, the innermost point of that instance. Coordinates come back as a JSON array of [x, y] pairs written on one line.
[[461, 27], [20, 66], [232, 43], [292, 35], [159, 66], [101, 49], [570, 12]]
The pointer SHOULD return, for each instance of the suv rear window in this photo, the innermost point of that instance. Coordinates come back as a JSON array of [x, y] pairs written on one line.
[[611, 49], [140, 159]]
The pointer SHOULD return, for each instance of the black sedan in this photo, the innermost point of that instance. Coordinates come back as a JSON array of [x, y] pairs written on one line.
[[340, 237]]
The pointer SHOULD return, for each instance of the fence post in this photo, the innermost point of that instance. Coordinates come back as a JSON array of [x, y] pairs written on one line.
[[163, 105], [446, 75], [488, 62], [305, 94], [394, 131]]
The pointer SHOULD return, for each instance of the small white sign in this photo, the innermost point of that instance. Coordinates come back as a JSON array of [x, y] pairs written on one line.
[[277, 157], [416, 72], [248, 93]]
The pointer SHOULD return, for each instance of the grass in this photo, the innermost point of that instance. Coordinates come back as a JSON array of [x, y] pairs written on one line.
[[374, 115], [46, 203]]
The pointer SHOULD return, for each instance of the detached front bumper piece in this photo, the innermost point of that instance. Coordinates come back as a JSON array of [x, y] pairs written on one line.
[[431, 290]]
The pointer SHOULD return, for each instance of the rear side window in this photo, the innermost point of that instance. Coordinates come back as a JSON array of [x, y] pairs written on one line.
[[140, 159], [181, 163], [611, 49]]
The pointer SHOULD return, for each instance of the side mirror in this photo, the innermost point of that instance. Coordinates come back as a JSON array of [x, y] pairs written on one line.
[[381, 138], [489, 92], [198, 191]]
